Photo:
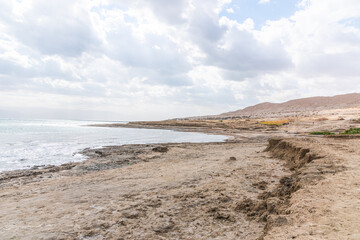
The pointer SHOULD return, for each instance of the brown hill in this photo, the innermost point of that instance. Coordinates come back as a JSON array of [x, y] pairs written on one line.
[[298, 106]]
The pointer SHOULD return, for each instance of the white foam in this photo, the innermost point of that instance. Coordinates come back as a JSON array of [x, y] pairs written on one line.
[[25, 143]]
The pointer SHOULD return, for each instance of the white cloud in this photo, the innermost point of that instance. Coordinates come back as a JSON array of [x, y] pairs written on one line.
[[151, 59], [230, 10], [263, 1]]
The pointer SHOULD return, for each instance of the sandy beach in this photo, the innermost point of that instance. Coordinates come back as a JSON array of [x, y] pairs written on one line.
[[180, 120], [266, 182]]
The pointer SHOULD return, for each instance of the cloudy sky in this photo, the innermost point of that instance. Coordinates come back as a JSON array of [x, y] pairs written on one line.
[[158, 59]]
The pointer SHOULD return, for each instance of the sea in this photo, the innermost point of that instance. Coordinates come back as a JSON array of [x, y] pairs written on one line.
[[28, 143]]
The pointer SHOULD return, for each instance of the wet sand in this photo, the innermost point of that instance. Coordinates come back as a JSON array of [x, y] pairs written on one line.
[[266, 183]]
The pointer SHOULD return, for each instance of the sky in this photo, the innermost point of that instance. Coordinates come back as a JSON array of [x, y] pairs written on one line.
[[160, 59]]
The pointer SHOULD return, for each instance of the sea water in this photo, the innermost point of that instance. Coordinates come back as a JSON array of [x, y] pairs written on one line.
[[27, 143]]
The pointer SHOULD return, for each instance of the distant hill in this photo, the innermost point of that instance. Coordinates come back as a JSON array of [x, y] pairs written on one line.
[[298, 106]]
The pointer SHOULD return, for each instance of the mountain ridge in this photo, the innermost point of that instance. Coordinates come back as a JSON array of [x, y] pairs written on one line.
[[297, 106]]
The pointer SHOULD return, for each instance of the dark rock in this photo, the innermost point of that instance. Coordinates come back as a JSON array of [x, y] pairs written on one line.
[[99, 152], [160, 149], [261, 185]]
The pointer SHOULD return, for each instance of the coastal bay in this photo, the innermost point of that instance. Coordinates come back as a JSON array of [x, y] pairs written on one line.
[[263, 183]]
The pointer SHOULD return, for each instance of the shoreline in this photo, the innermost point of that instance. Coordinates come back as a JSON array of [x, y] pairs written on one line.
[[148, 159], [234, 188], [68, 149]]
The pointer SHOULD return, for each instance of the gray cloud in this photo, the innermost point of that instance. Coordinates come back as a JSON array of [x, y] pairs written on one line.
[[154, 78], [169, 11], [335, 65], [48, 68], [55, 28], [158, 58], [156, 53], [205, 28], [205, 95], [246, 54]]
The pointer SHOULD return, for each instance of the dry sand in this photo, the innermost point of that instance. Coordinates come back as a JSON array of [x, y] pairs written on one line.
[[327, 203], [301, 187], [188, 192]]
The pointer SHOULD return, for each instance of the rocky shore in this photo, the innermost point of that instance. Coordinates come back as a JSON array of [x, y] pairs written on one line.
[[267, 182]]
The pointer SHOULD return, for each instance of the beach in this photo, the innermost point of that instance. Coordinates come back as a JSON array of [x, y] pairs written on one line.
[[265, 182], [180, 120]]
